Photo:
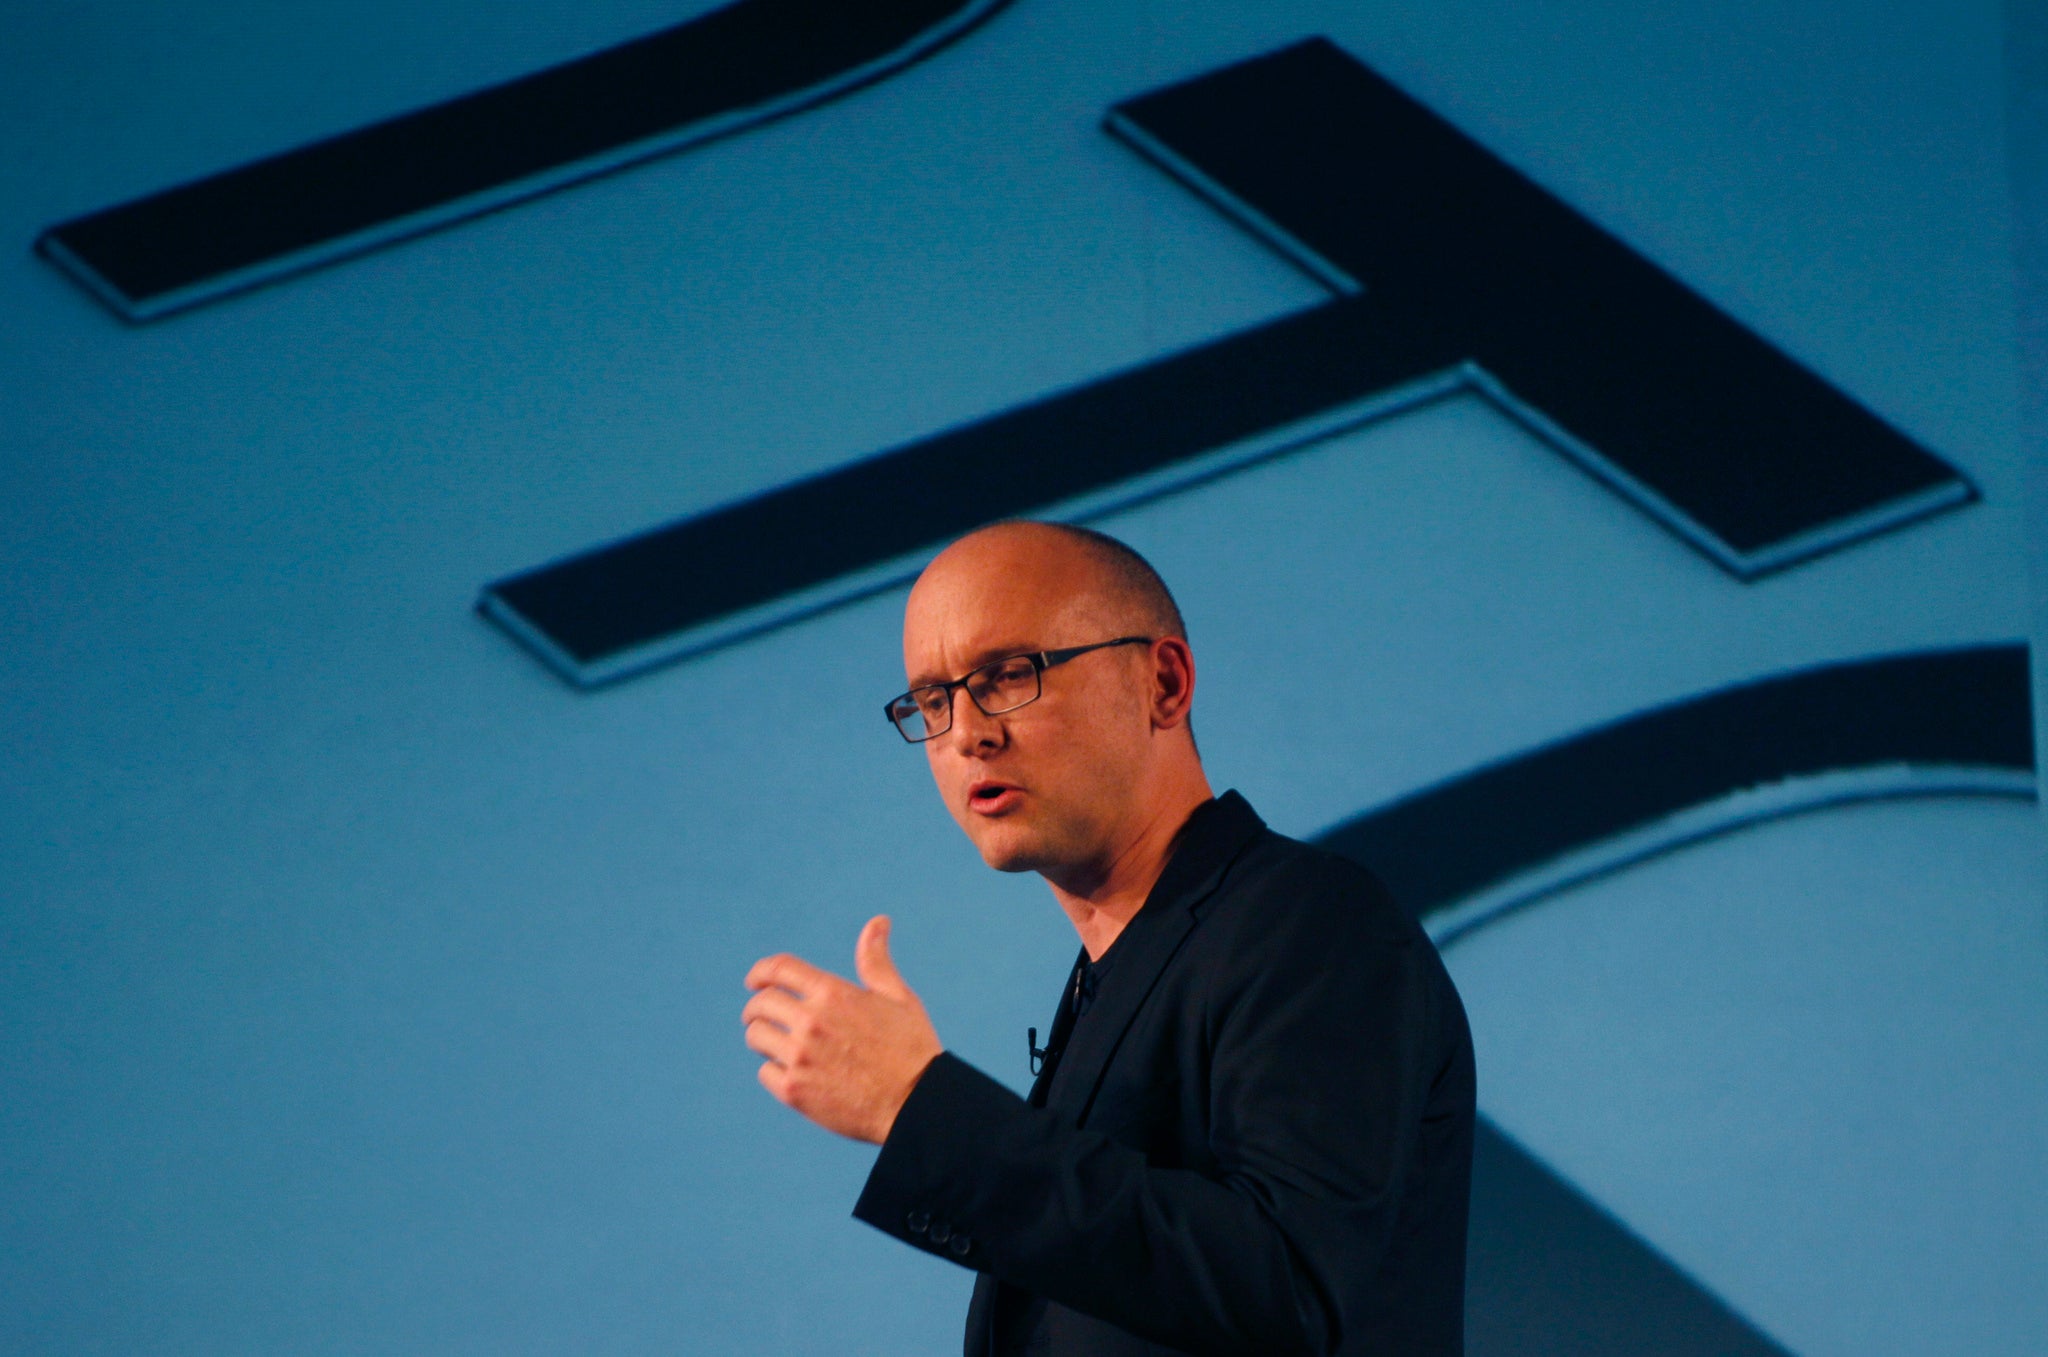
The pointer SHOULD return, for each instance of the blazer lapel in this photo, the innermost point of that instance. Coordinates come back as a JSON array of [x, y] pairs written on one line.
[[1213, 838]]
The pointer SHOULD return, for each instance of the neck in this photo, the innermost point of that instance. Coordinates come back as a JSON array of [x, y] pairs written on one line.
[[1102, 898]]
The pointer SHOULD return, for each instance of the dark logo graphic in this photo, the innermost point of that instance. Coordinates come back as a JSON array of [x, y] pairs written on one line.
[[1457, 273], [731, 69], [1935, 723]]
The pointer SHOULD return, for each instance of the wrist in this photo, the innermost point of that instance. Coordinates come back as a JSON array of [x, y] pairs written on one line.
[[887, 1122]]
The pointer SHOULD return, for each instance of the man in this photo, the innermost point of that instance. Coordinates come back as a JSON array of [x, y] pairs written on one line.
[[1252, 1131]]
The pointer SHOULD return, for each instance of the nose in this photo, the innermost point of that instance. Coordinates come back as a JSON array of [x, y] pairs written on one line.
[[974, 730]]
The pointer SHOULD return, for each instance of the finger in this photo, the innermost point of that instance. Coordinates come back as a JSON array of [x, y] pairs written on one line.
[[776, 1080], [871, 960], [777, 1006], [766, 1039], [790, 973]]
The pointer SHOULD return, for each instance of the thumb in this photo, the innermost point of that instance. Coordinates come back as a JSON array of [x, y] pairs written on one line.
[[871, 960]]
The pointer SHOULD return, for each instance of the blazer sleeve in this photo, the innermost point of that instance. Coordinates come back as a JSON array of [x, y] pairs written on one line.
[[1322, 1055]]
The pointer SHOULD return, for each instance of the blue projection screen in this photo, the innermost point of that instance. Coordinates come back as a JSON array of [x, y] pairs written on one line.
[[1542, 417]]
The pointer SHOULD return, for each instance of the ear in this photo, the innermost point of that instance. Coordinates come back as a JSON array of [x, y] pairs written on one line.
[[1173, 682]]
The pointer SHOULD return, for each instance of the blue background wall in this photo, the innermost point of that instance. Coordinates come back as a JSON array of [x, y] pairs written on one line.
[[364, 988]]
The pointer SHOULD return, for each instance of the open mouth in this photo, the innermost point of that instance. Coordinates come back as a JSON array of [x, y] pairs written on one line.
[[989, 797]]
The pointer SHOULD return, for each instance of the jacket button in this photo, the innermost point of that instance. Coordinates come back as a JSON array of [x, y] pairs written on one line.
[[941, 1232], [960, 1245], [917, 1222]]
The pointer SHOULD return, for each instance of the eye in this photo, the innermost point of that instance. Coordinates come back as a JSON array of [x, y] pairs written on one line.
[[1004, 685], [1011, 674]]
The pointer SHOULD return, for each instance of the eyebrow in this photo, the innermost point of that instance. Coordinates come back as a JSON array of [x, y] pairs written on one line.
[[986, 655]]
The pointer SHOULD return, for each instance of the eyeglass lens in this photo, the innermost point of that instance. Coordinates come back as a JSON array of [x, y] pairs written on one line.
[[999, 687]]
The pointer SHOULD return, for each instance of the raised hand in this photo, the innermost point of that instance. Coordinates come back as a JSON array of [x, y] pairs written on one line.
[[845, 1055]]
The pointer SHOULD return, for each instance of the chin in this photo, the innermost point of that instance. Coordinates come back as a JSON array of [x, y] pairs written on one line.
[[1010, 863], [1007, 851]]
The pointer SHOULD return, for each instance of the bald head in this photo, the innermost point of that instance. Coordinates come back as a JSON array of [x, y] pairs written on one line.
[[1126, 580], [1069, 576]]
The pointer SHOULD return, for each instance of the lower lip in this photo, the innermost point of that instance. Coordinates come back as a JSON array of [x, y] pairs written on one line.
[[997, 804]]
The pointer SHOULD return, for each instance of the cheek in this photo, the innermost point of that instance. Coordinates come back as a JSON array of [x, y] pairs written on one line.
[[1111, 761]]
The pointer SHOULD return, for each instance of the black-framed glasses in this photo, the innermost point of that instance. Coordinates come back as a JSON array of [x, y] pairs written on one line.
[[998, 686]]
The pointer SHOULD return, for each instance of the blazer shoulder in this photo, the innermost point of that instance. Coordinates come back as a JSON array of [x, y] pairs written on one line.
[[1280, 892]]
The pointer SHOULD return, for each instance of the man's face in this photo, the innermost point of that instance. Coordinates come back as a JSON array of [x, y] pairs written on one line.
[[1047, 787]]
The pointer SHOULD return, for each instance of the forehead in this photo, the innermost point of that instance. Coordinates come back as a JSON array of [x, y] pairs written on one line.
[[991, 599]]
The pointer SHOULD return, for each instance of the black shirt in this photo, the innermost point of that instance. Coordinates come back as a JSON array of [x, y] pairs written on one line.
[[1019, 1322]]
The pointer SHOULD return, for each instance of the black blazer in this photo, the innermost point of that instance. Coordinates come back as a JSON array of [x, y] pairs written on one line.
[[1259, 1139]]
